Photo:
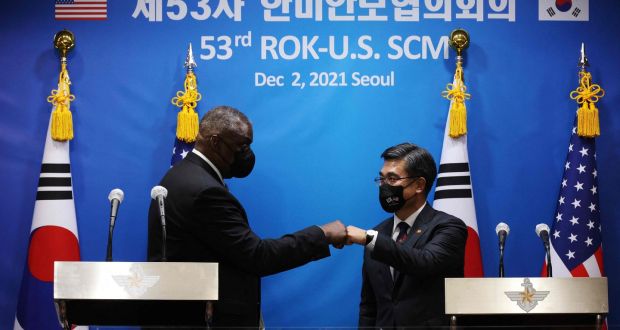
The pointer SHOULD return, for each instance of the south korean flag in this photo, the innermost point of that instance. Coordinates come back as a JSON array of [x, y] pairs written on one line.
[[563, 10]]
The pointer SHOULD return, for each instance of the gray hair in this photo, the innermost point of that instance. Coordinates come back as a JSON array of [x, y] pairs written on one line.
[[221, 119]]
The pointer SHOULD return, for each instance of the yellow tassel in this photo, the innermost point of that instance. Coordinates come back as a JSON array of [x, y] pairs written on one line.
[[61, 98], [187, 119], [458, 119], [587, 121], [455, 92], [587, 94], [187, 124]]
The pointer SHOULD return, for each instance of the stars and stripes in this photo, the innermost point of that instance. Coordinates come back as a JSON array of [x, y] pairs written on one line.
[[180, 150], [81, 9], [576, 248]]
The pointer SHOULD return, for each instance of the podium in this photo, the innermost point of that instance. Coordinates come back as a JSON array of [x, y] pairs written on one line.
[[528, 303], [134, 293]]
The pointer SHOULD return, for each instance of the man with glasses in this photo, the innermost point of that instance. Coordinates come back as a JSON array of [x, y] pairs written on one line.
[[408, 255], [206, 223]]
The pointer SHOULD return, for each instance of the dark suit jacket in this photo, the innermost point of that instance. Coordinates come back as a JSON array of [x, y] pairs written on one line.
[[206, 223], [434, 250]]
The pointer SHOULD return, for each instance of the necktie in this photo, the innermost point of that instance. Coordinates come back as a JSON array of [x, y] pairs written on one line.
[[400, 239], [402, 234]]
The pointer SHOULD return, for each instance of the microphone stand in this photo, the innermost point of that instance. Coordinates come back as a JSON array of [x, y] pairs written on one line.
[[549, 272], [109, 249], [160, 204], [163, 243], [501, 260]]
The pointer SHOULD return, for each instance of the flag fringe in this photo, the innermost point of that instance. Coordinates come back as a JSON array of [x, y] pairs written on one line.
[[187, 118]]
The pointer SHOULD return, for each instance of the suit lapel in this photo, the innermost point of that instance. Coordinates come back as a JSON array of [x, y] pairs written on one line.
[[419, 228]]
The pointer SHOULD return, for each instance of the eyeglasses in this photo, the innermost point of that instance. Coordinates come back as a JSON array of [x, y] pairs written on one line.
[[391, 180]]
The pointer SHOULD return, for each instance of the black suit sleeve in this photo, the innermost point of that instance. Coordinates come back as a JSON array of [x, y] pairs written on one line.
[[442, 252], [220, 223], [368, 302]]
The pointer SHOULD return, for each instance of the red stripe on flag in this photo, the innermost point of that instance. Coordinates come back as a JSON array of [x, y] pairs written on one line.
[[599, 259], [543, 272], [49, 244], [95, 9], [580, 271], [473, 257], [81, 19]]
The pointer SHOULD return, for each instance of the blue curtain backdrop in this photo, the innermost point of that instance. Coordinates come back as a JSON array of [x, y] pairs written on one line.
[[318, 147]]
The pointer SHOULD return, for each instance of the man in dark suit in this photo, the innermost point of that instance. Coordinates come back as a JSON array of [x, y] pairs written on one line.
[[206, 223], [408, 255]]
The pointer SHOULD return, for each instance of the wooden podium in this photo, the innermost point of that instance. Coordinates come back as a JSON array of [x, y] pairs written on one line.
[[134, 293], [528, 303]]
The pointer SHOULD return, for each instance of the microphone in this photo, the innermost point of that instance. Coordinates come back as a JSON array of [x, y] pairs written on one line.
[[542, 230], [159, 194], [502, 231], [116, 198]]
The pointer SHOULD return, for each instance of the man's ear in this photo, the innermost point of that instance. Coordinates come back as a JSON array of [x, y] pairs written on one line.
[[214, 142], [420, 184]]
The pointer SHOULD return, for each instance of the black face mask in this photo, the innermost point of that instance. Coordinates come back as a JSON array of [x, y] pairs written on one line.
[[243, 163], [391, 197]]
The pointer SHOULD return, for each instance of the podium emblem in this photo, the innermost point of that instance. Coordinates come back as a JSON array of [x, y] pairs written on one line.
[[137, 283], [529, 297]]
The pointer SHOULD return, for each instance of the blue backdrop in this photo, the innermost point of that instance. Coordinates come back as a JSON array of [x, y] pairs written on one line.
[[318, 147]]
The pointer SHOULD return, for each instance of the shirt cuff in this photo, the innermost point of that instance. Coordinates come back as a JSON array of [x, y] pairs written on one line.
[[371, 246]]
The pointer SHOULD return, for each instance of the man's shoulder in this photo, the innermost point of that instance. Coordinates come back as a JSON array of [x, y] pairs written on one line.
[[438, 216], [188, 173]]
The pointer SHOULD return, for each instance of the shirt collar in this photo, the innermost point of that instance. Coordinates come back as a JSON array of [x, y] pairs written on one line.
[[199, 154], [410, 220]]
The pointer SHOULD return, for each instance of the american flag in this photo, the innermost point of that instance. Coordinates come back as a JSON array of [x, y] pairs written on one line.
[[180, 150], [576, 249], [81, 9]]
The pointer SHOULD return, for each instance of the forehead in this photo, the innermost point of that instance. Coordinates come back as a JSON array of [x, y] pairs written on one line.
[[394, 166]]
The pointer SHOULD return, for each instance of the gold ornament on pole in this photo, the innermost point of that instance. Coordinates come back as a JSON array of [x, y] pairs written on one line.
[[187, 119], [62, 119], [587, 95], [456, 91]]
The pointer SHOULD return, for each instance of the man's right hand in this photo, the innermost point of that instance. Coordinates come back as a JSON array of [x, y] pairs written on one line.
[[336, 233]]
